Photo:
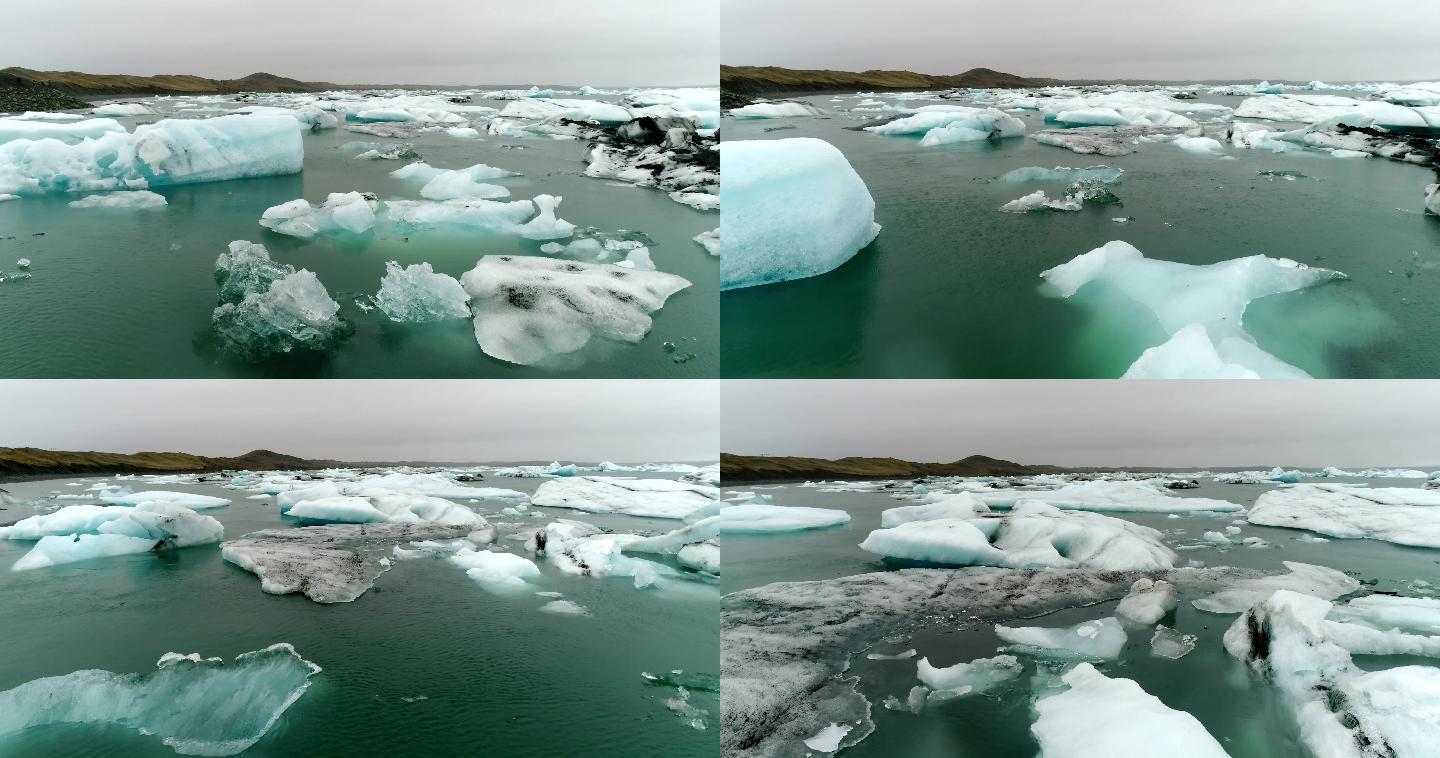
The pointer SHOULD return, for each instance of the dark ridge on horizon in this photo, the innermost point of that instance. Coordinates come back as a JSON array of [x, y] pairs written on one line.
[[768, 468], [769, 80], [114, 85], [31, 461]]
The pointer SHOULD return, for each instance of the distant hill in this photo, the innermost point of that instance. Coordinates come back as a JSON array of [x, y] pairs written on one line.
[[30, 461], [79, 83], [755, 468], [763, 80]]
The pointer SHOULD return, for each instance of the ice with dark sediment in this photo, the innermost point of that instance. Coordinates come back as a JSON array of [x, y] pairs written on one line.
[[195, 705]]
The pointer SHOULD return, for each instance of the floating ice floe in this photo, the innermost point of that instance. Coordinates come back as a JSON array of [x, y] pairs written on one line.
[[168, 152], [1168, 643], [1432, 199], [1310, 109], [122, 109], [1075, 197], [1106, 174], [711, 240], [197, 706], [84, 532], [527, 309], [1032, 535], [1121, 117], [962, 506], [1150, 106], [1147, 601], [1202, 308], [497, 571], [696, 545], [335, 563], [581, 549], [69, 133], [1402, 515], [128, 200], [1101, 639], [1147, 496], [1318, 581], [417, 294], [760, 518], [653, 498], [786, 109], [795, 209], [464, 183], [973, 678], [1098, 715], [1109, 141], [1303, 646], [186, 499], [342, 212], [267, 308], [952, 126]]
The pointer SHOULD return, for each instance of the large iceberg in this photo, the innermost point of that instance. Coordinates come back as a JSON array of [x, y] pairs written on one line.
[[962, 506], [1148, 496], [82, 532], [1304, 578], [529, 308], [1309, 109], [1304, 647], [1183, 297], [1432, 199], [794, 208], [197, 706], [189, 500], [417, 294], [951, 126], [172, 151], [655, 498], [1032, 535], [1402, 515], [1097, 715], [785, 109], [69, 133], [972, 678], [761, 518]]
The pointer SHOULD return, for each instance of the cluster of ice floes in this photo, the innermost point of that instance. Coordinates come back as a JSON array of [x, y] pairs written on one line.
[[83, 532], [1031, 535], [1310, 109], [168, 152], [527, 309], [1148, 495], [342, 212], [268, 308], [796, 209], [197, 706], [1201, 307], [949, 124], [785, 646], [1304, 647], [1402, 515], [653, 498]]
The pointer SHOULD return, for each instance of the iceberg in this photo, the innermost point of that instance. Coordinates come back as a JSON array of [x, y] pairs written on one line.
[[282, 310], [69, 133], [711, 240], [961, 506], [1432, 199], [1400, 515], [122, 109], [496, 571], [197, 706], [131, 199], [795, 209], [417, 294], [1106, 174], [168, 152], [774, 110], [461, 215], [1168, 643], [1149, 496], [652, 498], [953, 126], [1310, 109], [1032, 535], [971, 678], [335, 563], [1098, 715], [187, 499], [545, 226], [1122, 117], [341, 213], [1304, 578], [759, 519], [527, 309], [1180, 295], [1199, 145], [1147, 602], [1100, 639]]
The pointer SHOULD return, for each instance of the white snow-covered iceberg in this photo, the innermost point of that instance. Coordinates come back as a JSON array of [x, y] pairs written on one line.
[[787, 109], [952, 126], [1402, 515], [1032, 535], [1304, 578], [1100, 639], [654, 498], [84, 532], [68, 132], [1201, 307], [122, 199], [189, 500], [266, 308], [1148, 601], [342, 212], [794, 208], [972, 678], [528, 308], [197, 706], [962, 506], [172, 151], [1097, 715], [760, 518], [1148, 496]]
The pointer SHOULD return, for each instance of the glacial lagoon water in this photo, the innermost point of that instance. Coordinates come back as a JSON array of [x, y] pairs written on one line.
[[128, 293], [1234, 705], [425, 663], [950, 286]]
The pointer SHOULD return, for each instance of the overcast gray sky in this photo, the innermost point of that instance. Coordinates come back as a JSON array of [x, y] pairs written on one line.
[[1092, 423], [629, 42], [434, 420], [1094, 39]]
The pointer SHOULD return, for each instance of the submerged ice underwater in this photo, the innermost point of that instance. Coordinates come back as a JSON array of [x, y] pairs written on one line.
[[396, 233], [392, 611], [1233, 231]]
